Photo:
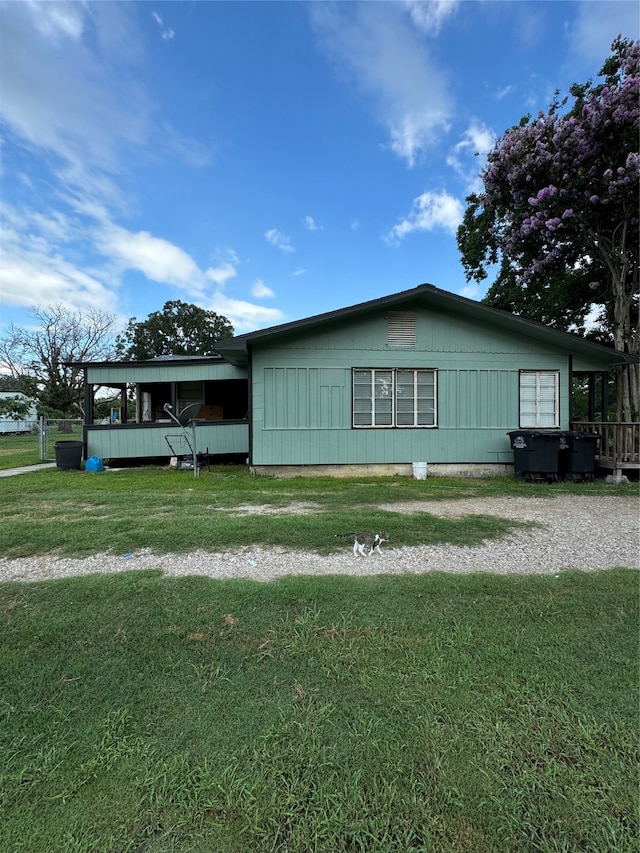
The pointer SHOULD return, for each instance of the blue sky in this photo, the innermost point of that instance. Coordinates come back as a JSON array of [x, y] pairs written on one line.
[[265, 160]]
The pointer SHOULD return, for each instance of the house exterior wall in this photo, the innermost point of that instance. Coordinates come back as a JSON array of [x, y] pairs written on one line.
[[147, 440], [302, 393], [132, 441], [132, 372]]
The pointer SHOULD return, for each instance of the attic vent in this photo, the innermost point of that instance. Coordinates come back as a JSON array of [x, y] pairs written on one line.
[[401, 329]]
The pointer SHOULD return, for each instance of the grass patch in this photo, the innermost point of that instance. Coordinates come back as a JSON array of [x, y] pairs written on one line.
[[415, 713], [78, 513], [19, 449]]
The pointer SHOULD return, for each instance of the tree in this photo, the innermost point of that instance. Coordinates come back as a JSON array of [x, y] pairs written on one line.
[[179, 329], [9, 383], [559, 214], [17, 408], [43, 359]]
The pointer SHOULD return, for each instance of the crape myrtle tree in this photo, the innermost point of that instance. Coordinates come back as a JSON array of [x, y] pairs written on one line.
[[559, 215], [179, 329], [42, 359]]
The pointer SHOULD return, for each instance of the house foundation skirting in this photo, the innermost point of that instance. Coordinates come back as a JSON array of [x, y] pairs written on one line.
[[404, 469]]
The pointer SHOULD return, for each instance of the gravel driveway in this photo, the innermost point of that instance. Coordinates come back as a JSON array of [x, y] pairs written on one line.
[[586, 533]]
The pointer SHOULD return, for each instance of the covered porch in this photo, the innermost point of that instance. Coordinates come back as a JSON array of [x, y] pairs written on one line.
[[618, 450], [592, 398], [141, 425]]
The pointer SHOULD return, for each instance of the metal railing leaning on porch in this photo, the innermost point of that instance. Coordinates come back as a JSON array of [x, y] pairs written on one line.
[[57, 429], [619, 446]]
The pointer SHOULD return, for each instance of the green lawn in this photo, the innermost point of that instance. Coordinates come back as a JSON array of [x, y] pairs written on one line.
[[338, 715], [424, 713], [79, 513], [19, 450]]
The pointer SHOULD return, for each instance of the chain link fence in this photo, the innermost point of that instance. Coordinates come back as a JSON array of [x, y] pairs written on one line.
[[58, 429], [23, 427]]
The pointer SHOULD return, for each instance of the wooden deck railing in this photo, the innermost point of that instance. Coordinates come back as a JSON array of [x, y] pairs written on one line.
[[620, 442]]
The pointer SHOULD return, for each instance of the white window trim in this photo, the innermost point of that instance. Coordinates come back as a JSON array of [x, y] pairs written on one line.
[[537, 415], [394, 371]]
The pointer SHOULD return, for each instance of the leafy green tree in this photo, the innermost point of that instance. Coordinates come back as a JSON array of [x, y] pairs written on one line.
[[559, 214], [17, 408], [179, 329], [10, 383], [43, 359]]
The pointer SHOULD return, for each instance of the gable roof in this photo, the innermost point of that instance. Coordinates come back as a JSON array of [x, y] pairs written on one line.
[[235, 350]]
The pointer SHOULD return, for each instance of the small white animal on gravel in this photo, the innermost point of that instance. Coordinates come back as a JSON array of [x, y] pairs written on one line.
[[362, 541]]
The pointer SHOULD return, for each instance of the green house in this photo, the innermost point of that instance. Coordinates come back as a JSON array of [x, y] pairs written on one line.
[[417, 376], [162, 389]]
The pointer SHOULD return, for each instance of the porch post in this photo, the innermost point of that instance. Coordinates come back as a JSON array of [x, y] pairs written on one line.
[[605, 395], [123, 404], [88, 401], [592, 396]]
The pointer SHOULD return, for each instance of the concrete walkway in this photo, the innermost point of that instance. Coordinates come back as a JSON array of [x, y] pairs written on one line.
[[11, 472]]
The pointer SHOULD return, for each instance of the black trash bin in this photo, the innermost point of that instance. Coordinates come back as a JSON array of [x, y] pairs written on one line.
[[535, 453], [68, 455], [577, 460]]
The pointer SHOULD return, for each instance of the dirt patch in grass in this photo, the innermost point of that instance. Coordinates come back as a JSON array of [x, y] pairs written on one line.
[[295, 508], [507, 507]]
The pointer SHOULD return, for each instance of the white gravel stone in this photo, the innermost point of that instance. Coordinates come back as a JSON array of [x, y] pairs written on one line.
[[574, 532]]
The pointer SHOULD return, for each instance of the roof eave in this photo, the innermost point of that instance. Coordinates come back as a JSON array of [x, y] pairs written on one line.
[[235, 349]]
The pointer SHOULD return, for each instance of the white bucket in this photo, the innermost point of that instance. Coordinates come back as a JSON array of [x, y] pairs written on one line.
[[419, 470]]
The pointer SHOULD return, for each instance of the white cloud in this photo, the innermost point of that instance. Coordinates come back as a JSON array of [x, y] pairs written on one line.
[[311, 225], [379, 48], [220, 275], [167, 33], [37, 268], [74, 90], [26, 224], [279, 240], [471, 291], [58, 97], [245, 316], [468, 156], [57, 20], [430, 16], [261, 291], [502, 93], [31, 279], [298, 272], [596, 24], [430, 211], [158, 259], [35, 272]]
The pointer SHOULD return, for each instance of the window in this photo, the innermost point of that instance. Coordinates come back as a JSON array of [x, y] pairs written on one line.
[[391, 397], [539, 398]]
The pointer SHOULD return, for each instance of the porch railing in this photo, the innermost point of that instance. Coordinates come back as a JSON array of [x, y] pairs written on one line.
[[620, 442]]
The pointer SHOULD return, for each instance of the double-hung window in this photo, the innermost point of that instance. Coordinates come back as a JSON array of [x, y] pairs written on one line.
[[540, 398], [394, 397]]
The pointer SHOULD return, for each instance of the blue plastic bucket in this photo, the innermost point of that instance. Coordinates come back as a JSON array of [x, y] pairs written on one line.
[[94, 463]]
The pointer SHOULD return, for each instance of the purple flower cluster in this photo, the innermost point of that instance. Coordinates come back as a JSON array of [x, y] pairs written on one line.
[[562, 184]]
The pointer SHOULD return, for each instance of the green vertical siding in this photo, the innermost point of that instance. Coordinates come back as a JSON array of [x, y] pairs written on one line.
[[303, 397], [302, 404], [146, 440], [477, 398], [163, 371]]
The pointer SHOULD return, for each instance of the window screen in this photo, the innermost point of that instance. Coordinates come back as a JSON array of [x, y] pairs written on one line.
[[401, 397], [539, 398]]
